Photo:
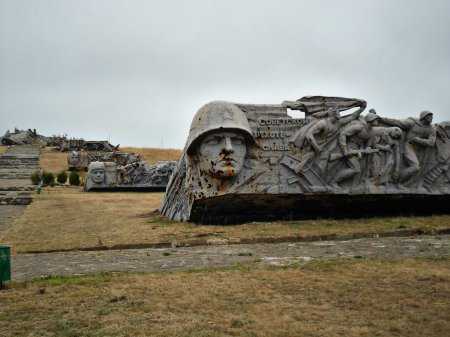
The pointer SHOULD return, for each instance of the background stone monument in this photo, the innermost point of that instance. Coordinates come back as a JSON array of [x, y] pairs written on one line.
[[134, 176], [248, 162]]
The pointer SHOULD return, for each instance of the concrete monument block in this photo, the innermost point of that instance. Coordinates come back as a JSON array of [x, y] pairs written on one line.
[[134, 176], [246, 162], [23, 137], [77, 160], [80, 160]]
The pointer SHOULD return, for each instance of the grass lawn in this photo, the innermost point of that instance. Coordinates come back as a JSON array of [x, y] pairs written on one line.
[[152, 155], [335, 298], [3, 149], [68, 218], [52, 160]]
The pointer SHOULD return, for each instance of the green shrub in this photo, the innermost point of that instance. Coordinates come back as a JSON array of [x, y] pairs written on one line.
[[48, 178], [74, 178], [36, 178], [61, 177]]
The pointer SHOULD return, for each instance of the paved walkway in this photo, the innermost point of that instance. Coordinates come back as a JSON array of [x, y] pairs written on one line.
[[28, 266]]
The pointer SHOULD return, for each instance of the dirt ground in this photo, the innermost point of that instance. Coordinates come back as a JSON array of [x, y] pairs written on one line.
[[63, 218], [324, 298]]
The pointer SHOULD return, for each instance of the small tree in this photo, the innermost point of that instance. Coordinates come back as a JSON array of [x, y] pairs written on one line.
[[36, 178], [74, 178], [48, 178], [61, 177]]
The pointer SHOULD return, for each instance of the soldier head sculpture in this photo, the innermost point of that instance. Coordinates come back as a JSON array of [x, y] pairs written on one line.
[[426, 117], [217, 143], [372, 119], [74, 156], [96, 172], [73, 159]]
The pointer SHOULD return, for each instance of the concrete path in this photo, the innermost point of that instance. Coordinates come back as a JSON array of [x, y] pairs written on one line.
[[28, 266]]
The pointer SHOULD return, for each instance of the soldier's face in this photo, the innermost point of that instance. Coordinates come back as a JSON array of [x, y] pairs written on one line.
[[428, 119], [222, 154], [75, 156], [98, 176]]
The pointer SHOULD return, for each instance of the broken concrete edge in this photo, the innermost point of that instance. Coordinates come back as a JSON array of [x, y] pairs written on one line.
[[238, 241]]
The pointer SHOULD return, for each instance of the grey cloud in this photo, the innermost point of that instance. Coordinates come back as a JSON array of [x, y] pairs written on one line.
[[136, 71]]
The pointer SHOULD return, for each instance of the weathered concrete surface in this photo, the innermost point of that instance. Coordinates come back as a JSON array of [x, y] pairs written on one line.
[[28, 266], [22, 137], [270, 165]]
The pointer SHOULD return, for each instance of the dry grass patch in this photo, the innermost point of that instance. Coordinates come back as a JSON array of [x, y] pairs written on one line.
[[52, 160], [365, 298], [3, 149], [152, 155], [68, 218]]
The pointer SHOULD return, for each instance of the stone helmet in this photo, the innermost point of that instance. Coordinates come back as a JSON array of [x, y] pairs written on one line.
[[425, 113], [370, 117], [96, 165], [217, 116]]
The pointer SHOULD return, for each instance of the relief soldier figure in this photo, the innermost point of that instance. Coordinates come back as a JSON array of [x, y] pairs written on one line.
[[384, 165], [420, 135], [353, 141], [439, 172], [316, 140]]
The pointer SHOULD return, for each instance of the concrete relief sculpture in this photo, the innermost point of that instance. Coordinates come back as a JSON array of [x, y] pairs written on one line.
[[80, 160], [135, 176], [101, 175], [77, 160], [23, 137], [244, 161]]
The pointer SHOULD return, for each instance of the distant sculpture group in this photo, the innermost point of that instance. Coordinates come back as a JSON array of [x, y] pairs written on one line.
[[136, 175], [258, 155]]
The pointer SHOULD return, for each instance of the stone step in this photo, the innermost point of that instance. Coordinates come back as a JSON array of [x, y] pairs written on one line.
[[15, 198], [20, 155], [16, 170], [16, 185], [18, 165], [18, 160], [16, 175]]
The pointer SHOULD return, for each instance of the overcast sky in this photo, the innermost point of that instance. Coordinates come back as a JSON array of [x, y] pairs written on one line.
[[136, 71]]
